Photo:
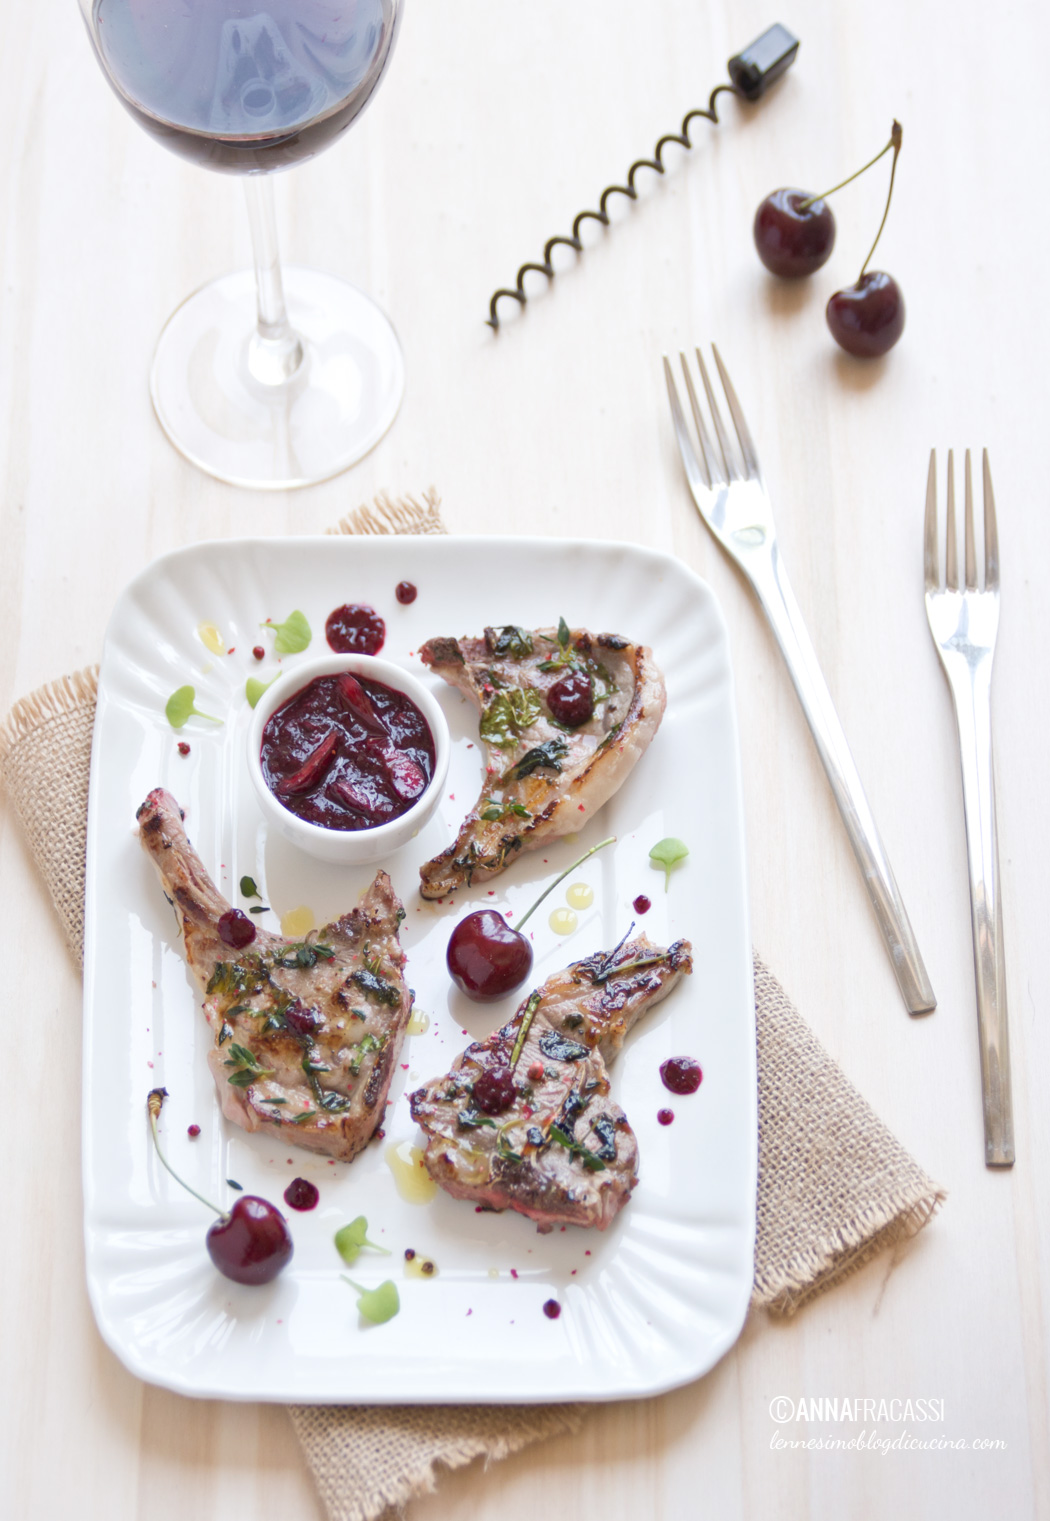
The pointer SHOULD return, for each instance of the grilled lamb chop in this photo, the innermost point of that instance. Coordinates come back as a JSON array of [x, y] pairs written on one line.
[[542, 773], [307, 1032], [524, 1120]]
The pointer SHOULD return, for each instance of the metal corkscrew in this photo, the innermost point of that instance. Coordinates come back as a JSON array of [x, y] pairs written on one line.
[[751, 73]]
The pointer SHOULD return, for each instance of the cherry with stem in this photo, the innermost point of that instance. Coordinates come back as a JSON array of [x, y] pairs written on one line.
[[867, 318], [251, 1243], [486, 958]]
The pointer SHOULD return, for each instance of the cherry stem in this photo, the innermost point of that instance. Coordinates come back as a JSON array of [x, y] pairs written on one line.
[[153, 1105], [894, 143], [600, 846]]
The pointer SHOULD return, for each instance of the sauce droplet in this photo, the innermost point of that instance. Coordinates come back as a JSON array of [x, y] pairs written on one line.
[[414, 1183], [665, 1116], [405, 593], [355, 629], [211, 638], [193, 1131], [552, 1309], [580, 895], [563, 921], [301, 1194], [184, 748], [298, 922], [418, 1266], [642, 904], [681, 1074], [419, 1023]]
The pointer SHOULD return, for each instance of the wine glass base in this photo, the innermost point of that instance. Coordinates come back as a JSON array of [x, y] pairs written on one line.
[[336, 406]]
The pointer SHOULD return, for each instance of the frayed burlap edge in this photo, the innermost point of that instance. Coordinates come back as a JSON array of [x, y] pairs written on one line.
[[49, 702], [809, 1273], [387, 514], [348, 1450]]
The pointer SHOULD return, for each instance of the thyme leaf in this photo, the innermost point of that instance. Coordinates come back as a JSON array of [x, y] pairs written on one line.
[[550, 753]]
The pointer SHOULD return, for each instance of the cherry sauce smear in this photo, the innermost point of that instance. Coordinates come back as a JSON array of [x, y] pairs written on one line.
[[355, 629], [347, 753]]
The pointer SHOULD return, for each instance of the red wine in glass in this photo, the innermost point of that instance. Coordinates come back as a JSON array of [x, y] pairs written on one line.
[[243, 85], [273, 379]]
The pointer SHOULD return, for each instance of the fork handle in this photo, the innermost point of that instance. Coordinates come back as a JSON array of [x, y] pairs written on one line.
[[769, 579], [973, 713]]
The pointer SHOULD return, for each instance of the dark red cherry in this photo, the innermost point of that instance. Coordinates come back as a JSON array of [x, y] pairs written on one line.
[[486, 958], [866, 319], [793, 239], [236, 929], [571, 700], [252, 1243], [494, 1090]]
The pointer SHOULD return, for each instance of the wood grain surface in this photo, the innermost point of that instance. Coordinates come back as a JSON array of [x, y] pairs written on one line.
[[496, 123]]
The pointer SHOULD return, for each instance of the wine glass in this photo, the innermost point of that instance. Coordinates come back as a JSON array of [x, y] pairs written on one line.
[[277, 378]]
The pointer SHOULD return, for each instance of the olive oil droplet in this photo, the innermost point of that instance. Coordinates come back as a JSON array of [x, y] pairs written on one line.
[[298, 922], [211, 638], [421, 1267], [419, 1024], [563, 921], [580, 895], [414, 1183]]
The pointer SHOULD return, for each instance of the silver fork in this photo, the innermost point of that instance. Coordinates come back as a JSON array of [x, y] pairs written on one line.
[[735, 506], [964, 624]]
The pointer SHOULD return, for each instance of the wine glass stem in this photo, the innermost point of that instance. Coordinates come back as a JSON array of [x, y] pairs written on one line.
[[275, 350]]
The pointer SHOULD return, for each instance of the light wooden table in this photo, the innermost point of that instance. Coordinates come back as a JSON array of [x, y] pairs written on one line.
[[496, 123]]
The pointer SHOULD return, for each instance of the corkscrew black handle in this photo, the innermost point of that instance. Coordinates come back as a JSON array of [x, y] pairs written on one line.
[[751, 72]]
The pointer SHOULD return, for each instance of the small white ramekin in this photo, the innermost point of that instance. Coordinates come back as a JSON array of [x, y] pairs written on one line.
[[348, 847]]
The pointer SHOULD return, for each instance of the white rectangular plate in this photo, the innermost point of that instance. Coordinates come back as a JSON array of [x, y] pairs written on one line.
[[651, 1303]]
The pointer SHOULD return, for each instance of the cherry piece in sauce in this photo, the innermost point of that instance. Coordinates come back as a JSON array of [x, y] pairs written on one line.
[[303, 1020], [486, 958], [355, 629], [252, 1243], [236, 929], [642, 904], [571, 700], [405, 593], [665, 1116], [301, 1194], [494, 1090], [184, 748], [552, 1309], [793, 239], [866, 319], [681, 1074]]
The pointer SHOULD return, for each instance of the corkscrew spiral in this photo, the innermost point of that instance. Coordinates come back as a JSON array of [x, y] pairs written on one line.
[[751, 71]]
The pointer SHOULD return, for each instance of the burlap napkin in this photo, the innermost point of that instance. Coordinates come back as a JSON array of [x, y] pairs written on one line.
[[834, 1186]]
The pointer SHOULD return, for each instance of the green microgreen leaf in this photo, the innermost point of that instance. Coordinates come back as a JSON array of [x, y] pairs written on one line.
[[377, 1305], [180, 708], [293, 635], [254, 688], [352, 1238], [666, 854], [249, 889]]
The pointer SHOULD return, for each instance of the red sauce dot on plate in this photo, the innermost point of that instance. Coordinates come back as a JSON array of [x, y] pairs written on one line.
[[405, 592], [642, 904], [552, 1309], [665, 1116], [355, 629], [681, 1074], [259, 652], [193, 1131], [301, 1194]]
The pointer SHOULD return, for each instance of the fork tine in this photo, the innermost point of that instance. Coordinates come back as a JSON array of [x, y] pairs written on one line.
[[724, 448], [991, 532], [696, 475], [970, 548], [707, 448], [952, 565], [933, 570], [743, 432]]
